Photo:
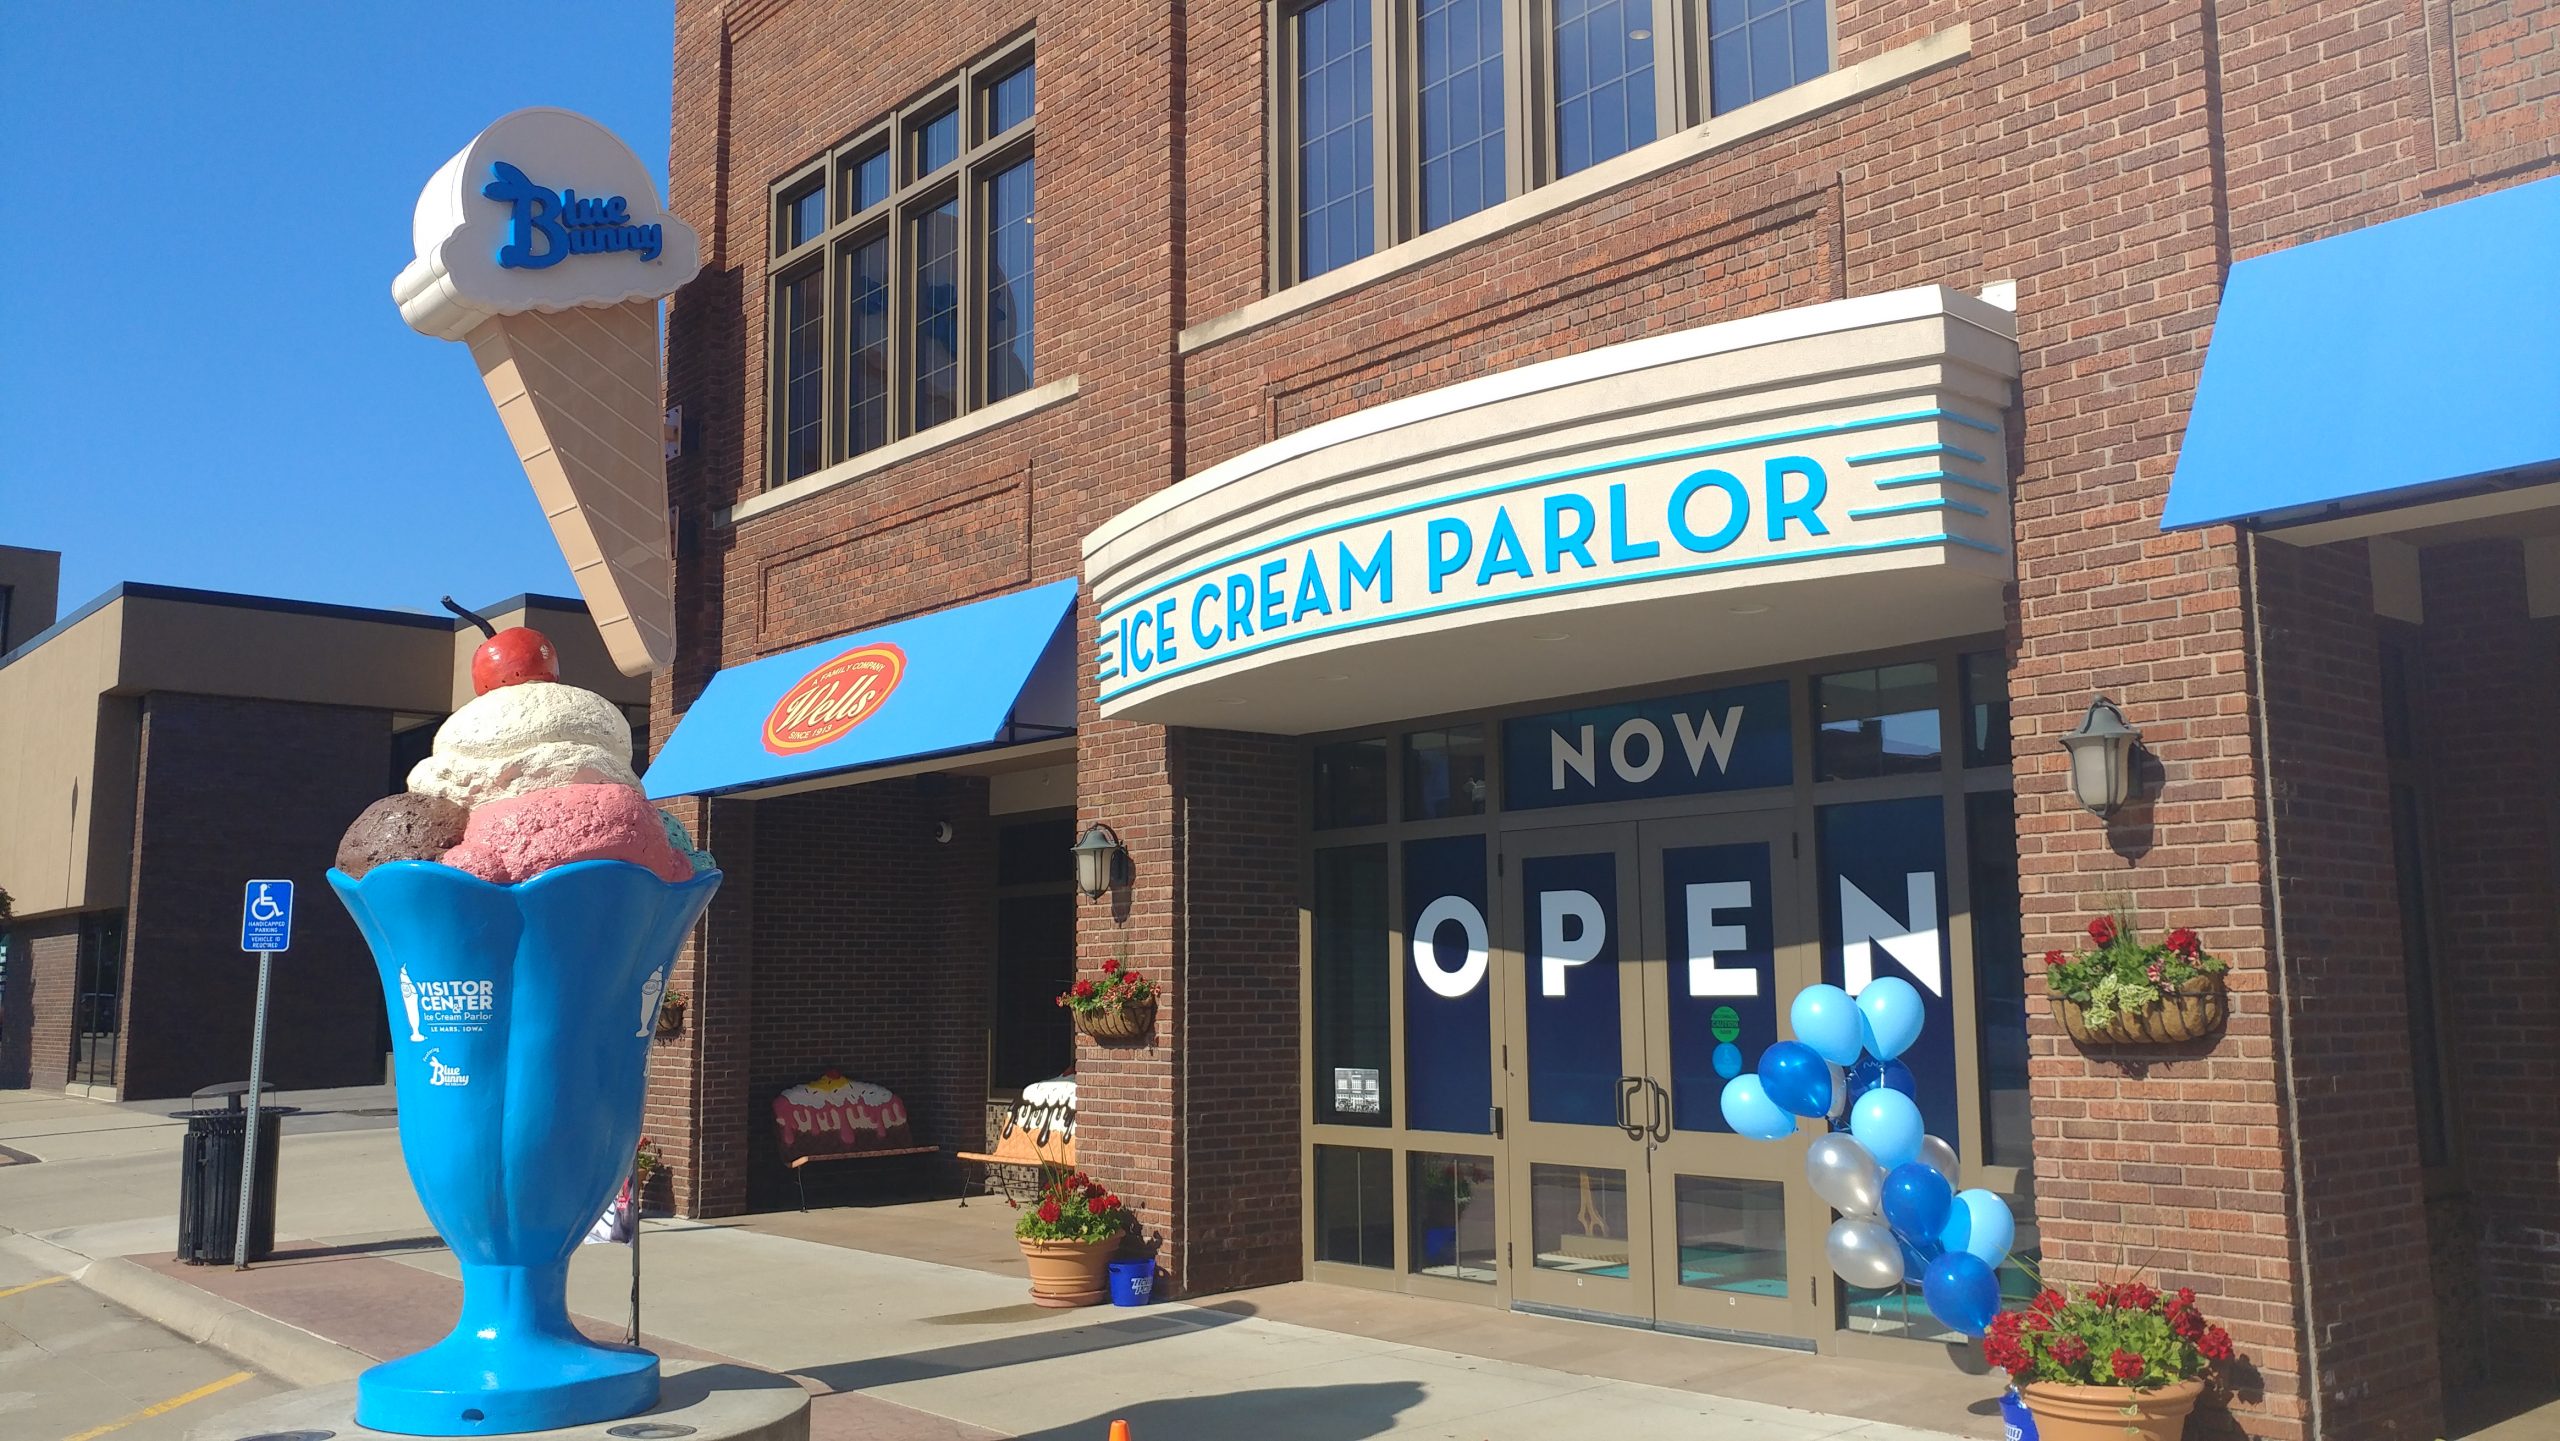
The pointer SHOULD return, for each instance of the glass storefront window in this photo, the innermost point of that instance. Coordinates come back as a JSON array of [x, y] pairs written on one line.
[[1355, 1206], [1986, 709], [1351, 784], [1880, 722], [1733, 1234], [1444, 773], [1353, 1080], [1999, 975], [1578, 1219], [1453, 1232]]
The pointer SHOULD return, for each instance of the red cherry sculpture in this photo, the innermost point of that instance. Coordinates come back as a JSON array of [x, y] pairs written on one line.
[[508, 657]]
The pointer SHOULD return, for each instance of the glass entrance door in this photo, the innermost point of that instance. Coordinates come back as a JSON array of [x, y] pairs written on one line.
[[1649, 960]]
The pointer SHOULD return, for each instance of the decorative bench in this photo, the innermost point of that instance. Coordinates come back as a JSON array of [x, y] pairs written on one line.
[[1039, 1133], [835, 1119]]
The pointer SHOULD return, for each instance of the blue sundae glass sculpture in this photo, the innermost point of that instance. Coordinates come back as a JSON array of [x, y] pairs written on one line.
[[521, 1020]]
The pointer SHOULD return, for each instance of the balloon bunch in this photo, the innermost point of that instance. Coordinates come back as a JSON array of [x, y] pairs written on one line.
[[1901, 1218]]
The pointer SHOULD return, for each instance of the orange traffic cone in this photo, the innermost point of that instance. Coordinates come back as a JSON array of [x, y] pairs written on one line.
[[1119, 1431]]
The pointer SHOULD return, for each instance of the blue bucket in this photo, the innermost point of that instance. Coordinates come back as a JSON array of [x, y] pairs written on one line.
[[1133, 1283], [2017, 1422]]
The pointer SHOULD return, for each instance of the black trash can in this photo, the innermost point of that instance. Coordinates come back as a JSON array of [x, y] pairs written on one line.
[[209, 1179]]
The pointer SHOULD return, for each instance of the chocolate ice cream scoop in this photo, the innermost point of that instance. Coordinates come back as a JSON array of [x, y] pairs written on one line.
[[403, 827]]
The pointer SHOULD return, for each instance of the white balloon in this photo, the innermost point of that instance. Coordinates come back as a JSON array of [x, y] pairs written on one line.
[[1844, 1175], [1862, 1250], [1940, 1156]]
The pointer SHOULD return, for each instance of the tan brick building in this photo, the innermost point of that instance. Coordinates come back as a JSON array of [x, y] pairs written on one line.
[[1623, 450]]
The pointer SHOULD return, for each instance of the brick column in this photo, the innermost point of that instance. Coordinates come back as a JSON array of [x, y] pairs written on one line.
[[2487, 708], [698, 1080]]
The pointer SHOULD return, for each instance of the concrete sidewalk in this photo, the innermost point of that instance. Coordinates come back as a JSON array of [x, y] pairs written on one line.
[[898, 1346]]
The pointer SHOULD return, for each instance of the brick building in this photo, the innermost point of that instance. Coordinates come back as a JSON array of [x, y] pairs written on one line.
[[1523, 461], [161, 746]]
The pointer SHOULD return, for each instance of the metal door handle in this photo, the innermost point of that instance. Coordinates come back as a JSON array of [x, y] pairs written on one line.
[[1627, 1088], [1660, 1111]]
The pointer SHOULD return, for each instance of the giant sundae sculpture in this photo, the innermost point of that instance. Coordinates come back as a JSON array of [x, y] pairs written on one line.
[[523, 900]]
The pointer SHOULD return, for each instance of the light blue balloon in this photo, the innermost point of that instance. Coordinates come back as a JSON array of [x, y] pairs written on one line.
[[1826, 1019], [1748, 1109], [1892, 1013], [1980, 1225], [1887, 1124], [1962, 1292]]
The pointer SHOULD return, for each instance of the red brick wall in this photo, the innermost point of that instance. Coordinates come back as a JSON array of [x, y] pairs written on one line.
[[2488, 692], [49, 953], [229, 790], [2351, 1097]]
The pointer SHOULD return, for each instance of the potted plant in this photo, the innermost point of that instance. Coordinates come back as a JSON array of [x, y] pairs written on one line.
[[2125, 990], [1068, 1237], [2115, 1361], [1119, 1007], [671, 1013]]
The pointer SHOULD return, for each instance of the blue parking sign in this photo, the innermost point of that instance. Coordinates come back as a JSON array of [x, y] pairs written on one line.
[[266, 916]]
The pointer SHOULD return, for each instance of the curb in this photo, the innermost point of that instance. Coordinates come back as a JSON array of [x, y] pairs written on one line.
[[284, 1351]]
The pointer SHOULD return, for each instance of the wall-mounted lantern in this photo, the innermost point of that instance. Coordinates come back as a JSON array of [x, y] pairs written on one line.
[[1100, 860], [2102, 757]]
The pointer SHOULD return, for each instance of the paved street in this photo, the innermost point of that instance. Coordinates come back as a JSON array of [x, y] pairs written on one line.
[[77, 1367]]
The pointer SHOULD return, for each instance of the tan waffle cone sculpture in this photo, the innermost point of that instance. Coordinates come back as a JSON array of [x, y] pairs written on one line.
[[543, 246], [578, 394]]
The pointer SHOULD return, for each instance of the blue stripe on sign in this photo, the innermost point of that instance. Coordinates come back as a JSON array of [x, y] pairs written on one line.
[[1687, 453], [1915, 507], [1938, 477], [1447, 607], [1917, 452]]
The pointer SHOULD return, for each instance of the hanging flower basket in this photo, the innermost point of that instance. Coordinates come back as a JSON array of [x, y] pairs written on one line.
[[671, 1015], [1128, 1022], [2123, 991], [2193, 1010], [1119, 1007]]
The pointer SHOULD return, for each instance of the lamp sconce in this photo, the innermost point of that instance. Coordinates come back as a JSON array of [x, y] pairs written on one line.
[[2102, 757], [1101, 861]]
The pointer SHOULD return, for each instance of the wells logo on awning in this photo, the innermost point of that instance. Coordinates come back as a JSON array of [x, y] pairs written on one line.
[[834, 698]]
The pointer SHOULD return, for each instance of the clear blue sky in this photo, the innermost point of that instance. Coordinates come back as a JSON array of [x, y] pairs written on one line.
[[203, 380]]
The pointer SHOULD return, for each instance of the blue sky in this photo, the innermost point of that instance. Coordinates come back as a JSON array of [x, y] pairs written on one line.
[[203, 380]]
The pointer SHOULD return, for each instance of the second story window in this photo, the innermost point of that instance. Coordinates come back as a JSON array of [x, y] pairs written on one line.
[[1400, 116], [901, 284]]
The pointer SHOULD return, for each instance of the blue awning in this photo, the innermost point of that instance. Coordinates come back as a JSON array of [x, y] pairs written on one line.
[[991, 673], [2368, 369]]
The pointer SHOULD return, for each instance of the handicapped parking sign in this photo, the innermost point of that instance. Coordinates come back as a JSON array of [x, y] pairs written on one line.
[[266, 916]]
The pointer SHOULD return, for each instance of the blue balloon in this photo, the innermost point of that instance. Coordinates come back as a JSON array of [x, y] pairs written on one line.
[[1979, 1224], [1826, 1019], [1870, 1073], [1796, 1077], [1887, 1123], [1748, 1109], [1892, 1013], [1961, 1292], [1917, 1199], [1916, 1255], [1728, 1060]]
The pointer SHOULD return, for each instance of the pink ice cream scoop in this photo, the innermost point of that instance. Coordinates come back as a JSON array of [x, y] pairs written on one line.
[[518, 838]]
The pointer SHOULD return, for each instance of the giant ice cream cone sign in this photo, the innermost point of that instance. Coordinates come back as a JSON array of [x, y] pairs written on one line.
[[544, 247]]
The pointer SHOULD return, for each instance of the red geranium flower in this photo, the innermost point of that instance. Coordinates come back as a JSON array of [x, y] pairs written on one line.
[[1083, 989], [2101, 1296], [2186, 1322], [1049, 1212], [2216, 1345], [2102, 930], [2039, 1321], [2186, 943], [2126, 1365], [2070, 1350], [2186, 1295], [2049, 1301], [2055, 958], [2153, 971], [1107, 1203], [1111, 966]]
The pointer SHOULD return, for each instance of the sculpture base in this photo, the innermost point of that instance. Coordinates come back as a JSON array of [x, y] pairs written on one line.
[[710, 1401], [465, 1385]]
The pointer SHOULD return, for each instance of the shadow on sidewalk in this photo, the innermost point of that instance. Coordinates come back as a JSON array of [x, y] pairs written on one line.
[[1287, 1413], [990, 1355]]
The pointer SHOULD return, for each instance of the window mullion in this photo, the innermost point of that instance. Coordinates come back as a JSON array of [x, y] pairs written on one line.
[[967, 256], [1519, 98], [1670, 69], [1387, 190]]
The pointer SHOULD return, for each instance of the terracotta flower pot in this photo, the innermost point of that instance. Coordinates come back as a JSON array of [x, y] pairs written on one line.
[[1123, 1023], [2197, 1008], [2110, 1413], [1069, 1273]]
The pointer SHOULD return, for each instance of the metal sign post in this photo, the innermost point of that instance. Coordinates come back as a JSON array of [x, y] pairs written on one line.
[[266, 927]]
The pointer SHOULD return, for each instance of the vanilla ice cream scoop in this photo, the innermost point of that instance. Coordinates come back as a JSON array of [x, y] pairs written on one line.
[[522, 738]]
